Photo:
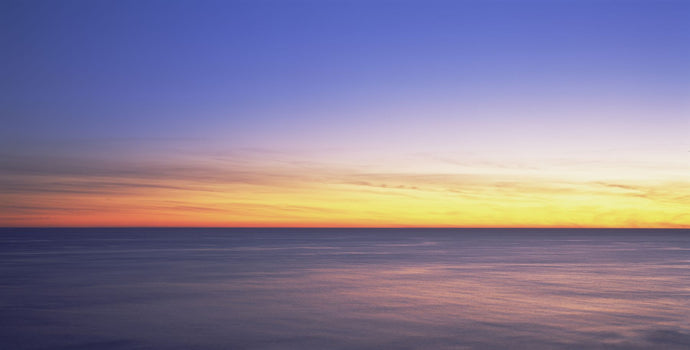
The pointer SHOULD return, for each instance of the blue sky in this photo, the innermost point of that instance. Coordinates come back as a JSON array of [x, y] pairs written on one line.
[[146, 68]]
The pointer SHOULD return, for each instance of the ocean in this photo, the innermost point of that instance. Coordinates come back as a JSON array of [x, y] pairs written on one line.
[[199, 288]]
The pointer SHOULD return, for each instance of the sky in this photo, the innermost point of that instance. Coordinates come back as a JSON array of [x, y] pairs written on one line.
[[345, 113]]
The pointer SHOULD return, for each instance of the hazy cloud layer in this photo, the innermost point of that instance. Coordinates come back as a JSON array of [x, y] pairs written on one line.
[[251, 186]]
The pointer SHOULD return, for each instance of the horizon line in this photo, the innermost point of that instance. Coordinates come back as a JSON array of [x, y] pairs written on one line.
[[353, 227]]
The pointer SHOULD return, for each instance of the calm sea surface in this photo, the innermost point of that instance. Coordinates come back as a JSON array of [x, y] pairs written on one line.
[[344, 289]]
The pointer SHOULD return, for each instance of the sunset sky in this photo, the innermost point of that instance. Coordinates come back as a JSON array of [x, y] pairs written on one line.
[[345, 113]]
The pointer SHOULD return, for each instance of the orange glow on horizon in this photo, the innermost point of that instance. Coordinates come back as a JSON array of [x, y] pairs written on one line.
[[361, 200]]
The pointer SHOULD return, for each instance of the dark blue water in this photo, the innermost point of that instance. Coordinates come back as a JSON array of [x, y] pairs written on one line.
[[344, 289]]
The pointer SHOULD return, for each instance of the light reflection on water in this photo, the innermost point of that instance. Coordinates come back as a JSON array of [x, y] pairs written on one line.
[[344, 289]]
